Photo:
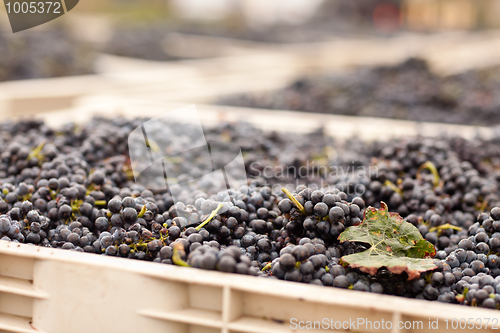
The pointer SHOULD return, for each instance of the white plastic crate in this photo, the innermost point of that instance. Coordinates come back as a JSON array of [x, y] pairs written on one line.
[[52, 290]]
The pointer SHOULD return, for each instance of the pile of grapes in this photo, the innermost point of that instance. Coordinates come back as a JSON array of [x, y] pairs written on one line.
[[407, 91], [74, 189], [44, 54]]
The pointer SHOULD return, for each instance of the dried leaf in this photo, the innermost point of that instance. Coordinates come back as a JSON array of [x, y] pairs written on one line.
[[394, 243]]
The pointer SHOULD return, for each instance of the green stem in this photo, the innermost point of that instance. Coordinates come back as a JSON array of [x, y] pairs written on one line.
[[445, 226], [176, 256], [143, 210], [36, 152], [212, 215], [90, 188], [75, 205], [100, 202], [297, 204], [483, 206], [268, 266], [53, 194], [432, 168], [393, 187]]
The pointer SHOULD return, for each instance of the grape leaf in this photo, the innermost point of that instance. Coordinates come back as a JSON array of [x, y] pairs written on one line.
[[394, 243]]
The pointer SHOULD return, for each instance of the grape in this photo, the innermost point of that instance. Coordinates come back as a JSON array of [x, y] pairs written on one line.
[[287, 261], [33, 238], [477, 266], [293, 275], [73, 238], [114, 206], [486, 280], [466, 244], [226, 264], [352, 277], [437, 279], [341, 281], [361, 286], [65, 212], [306, 268], [489, 303], [480, 295], [101, 223], [300, 253], [321, 209], [449, 278], [336, 214], [337, 270], [4, 225], [430, 292], [482, 248], [376, 288]]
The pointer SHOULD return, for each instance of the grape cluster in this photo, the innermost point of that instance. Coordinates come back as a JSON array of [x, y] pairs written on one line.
[[74, 189]]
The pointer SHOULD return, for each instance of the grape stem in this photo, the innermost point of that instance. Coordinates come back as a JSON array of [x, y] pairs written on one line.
[[36, 152], [432, 168], [296, 202], [143, 210], [393, 187], [445, 226], [212, 215], [176, 256], [75, 205], [483, 206]]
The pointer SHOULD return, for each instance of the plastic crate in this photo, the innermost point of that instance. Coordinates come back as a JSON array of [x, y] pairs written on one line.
[[52, 290]]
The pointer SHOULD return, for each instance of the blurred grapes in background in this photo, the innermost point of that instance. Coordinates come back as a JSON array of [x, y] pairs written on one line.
[[408, 91], [44, 54], [156, 29]]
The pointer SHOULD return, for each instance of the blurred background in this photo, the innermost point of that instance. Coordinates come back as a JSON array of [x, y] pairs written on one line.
[[417, 60]]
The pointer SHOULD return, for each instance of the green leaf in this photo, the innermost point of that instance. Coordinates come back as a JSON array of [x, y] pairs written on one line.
[[394, 243]]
